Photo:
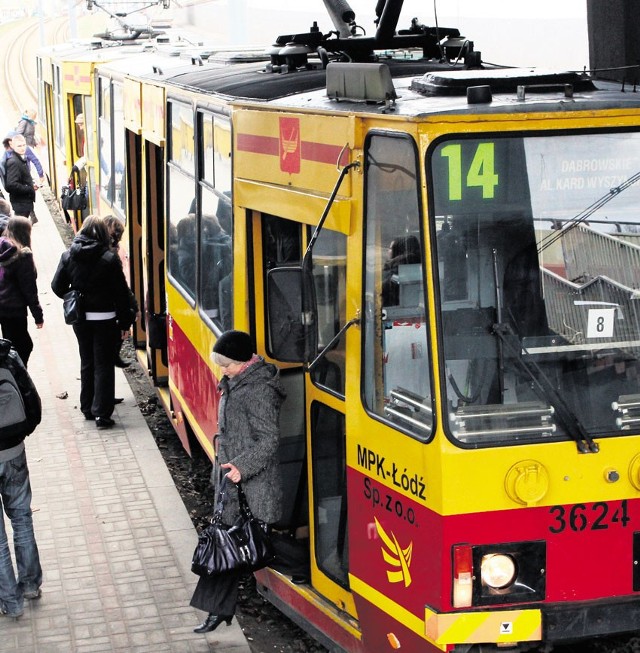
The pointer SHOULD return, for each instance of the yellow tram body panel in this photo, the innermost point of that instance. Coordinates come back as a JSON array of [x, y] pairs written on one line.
[[292, 149]]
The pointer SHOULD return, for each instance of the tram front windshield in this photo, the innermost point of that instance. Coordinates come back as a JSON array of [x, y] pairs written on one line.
[[538, 253]]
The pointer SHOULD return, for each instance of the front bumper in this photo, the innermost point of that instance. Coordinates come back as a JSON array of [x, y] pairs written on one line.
[[551, 623]]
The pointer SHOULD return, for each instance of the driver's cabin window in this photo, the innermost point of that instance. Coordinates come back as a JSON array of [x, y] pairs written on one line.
[[396, 380]]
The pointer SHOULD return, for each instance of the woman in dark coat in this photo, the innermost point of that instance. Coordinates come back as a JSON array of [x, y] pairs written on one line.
[[18, 288], [251, 395], [19, 183], [90, 267]]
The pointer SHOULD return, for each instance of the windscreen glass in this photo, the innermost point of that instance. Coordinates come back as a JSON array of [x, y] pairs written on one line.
[[537, 244]]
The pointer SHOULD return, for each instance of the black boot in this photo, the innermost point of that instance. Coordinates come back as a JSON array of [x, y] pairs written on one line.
[[212, 622]]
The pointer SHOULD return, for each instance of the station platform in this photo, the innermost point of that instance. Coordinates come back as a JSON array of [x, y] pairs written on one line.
[[115, 539]]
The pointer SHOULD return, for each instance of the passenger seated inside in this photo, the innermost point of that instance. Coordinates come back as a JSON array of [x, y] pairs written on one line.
[[402, 251]]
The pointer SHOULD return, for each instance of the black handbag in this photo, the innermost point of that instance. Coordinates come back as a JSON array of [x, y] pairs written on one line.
[[74, 199], [244, 546], [72, 307]]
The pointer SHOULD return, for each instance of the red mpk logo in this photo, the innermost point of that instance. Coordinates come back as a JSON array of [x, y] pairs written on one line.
[[290, 145]]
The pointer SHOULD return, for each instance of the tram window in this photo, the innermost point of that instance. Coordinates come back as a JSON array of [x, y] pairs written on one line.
[[222, 153], [60, 130], [182, 138], [206, 139], [330, 492], [78, 119], [105, 140], [216, 258], [181, 253], [396, 379], [119, 157], [329, 275]]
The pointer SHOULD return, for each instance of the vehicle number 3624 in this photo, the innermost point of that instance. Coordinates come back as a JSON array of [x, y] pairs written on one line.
[[594, 517]]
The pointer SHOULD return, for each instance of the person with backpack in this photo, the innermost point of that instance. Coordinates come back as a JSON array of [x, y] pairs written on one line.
[[21, 414], [27, 127], [18, 287]]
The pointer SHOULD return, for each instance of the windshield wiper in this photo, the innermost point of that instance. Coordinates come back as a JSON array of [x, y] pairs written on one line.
[[567, 418]]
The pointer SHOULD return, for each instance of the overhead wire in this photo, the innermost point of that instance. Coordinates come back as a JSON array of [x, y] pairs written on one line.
[[584, 215]]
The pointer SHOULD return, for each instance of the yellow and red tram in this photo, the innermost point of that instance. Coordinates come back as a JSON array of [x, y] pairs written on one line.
[[440, 258]]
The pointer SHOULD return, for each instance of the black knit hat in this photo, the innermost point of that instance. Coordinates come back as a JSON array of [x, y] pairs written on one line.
[[235, 345]]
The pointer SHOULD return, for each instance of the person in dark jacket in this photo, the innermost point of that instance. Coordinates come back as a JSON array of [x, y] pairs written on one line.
[[31, 156], [19, 183], [91, 268], [251, 396], [18, 287], [15, 495]]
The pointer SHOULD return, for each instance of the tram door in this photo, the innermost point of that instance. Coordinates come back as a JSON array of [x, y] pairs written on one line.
[[312, 452], [146, 224]]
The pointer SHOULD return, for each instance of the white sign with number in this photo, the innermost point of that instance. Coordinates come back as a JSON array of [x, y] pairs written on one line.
[[600, 323]]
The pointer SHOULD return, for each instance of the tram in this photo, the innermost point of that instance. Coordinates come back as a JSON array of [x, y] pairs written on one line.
[[441, 257]]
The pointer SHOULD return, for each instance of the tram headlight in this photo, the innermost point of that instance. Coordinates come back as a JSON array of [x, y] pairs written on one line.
[[498, 570], [498, 573]]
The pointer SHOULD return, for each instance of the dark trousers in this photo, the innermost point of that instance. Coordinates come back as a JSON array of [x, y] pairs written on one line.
[[16, 330], [22, 207], [97, 371], [217, 594]]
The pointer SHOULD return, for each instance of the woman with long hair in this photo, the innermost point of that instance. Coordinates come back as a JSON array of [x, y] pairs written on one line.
[[18, 287], [90, 267]]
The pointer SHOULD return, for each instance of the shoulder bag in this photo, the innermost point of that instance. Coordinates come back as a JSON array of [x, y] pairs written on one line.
[[243, 546], [72, 307], [74, 199]]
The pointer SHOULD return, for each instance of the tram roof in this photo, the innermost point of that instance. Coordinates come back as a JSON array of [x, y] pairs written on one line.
[[252, 82], [307, 89]]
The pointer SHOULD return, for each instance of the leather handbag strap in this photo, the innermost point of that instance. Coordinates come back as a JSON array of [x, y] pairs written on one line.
[[244, 504], [222, 497]]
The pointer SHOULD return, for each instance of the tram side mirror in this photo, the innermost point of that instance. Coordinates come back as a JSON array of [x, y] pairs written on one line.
[[291, 315]]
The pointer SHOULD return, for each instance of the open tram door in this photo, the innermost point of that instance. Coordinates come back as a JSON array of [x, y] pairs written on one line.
[[146, 222], [305, 314]]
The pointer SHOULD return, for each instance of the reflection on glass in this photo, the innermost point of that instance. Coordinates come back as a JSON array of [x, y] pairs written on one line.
[[216, 258], [119, 157], [181, 253], [104, 135], [396, 379], [330, 492], [329, 275]]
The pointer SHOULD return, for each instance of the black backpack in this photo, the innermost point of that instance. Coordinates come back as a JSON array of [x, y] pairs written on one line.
[[13, 416], [20, 405]]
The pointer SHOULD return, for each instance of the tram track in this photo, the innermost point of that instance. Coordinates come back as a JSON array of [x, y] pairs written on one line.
[[18, 45]]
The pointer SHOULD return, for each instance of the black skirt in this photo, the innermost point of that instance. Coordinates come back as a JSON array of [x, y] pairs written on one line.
[[217, 594]]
